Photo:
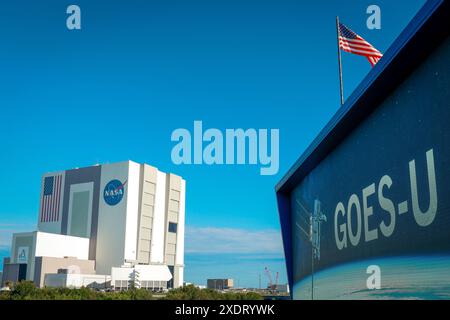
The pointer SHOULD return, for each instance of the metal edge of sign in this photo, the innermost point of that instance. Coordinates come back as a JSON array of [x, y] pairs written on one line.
[[399, 61]]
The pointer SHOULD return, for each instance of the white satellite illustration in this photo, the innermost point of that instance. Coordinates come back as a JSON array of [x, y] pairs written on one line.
[[309, 224]]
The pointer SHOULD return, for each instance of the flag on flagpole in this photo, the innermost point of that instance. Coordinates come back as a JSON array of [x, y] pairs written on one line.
[[350, 42]]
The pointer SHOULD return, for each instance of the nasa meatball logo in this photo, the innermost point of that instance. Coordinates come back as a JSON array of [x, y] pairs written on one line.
[[113, 192]]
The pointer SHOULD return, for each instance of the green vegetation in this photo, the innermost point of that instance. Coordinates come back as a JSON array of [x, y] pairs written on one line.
[[193, 293], [26, 290]]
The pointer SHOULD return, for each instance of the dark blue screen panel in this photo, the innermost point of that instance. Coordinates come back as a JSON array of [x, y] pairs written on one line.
[[385, 193]]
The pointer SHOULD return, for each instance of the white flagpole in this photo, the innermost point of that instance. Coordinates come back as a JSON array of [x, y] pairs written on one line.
[[340, 63]]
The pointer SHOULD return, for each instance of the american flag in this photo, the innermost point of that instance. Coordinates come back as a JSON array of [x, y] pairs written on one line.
[[51, 198], [351, 42]]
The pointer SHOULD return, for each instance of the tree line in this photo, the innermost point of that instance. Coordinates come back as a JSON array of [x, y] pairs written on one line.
[[26, 290]]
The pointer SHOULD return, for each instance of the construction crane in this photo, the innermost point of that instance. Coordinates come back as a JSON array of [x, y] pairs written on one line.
[[272, 285], [269, 276]]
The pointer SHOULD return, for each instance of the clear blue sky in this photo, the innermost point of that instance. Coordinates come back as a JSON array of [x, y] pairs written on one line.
[[140, 69]]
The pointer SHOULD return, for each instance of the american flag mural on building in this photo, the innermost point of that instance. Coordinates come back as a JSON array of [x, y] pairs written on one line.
[[51, 198], [350, 42]]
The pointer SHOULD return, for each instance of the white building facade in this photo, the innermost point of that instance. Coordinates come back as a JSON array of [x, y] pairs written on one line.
[[121, 213]]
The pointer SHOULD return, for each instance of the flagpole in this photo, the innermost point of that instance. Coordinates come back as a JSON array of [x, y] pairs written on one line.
[[340, 63]]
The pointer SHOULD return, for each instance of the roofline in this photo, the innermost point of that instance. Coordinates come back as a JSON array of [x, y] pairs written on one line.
[[405, 53], [50, 173]]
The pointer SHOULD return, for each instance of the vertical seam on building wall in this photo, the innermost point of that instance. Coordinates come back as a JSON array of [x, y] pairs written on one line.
[[140, 204], [166, 217]]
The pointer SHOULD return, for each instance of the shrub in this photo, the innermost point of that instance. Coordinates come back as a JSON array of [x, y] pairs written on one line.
[[24, 290], [191, 292]]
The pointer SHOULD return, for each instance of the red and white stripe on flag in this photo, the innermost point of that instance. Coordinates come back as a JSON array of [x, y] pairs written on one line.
[[51, 198], [350, 42]]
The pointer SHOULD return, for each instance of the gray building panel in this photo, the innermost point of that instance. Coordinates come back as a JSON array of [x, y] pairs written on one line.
[[77, 176], [13, 272]]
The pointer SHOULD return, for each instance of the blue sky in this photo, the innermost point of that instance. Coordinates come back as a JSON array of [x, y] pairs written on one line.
[[137, 70]]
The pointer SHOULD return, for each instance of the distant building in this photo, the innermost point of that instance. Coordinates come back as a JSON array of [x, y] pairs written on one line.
[[195, 285], [282, 288], [219, 284], [97, 219]]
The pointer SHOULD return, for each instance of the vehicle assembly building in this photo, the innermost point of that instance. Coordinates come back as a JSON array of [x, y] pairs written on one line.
[[111, 225], [369, 199]]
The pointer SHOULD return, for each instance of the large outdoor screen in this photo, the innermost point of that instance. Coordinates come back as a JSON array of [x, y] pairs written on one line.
[[383, 199]]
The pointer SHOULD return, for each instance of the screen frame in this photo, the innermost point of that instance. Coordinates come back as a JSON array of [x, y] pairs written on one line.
[[419, 39]]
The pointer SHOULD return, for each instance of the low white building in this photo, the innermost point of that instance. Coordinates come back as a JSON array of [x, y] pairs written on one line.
[[73, 280], [153, 277], [28, 245]]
